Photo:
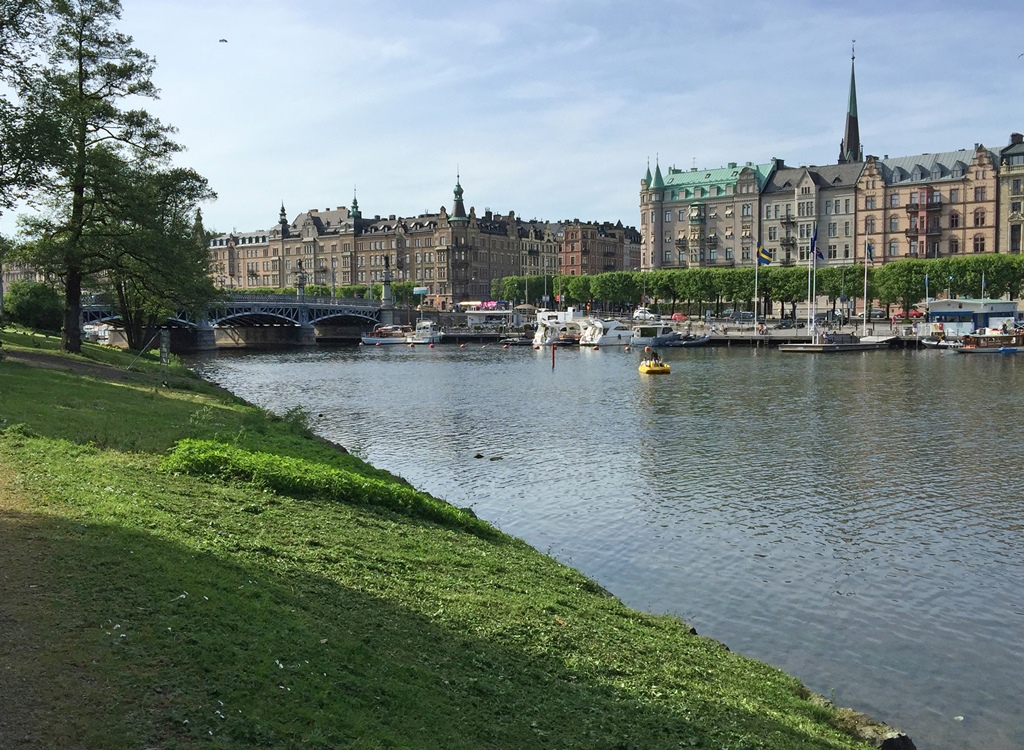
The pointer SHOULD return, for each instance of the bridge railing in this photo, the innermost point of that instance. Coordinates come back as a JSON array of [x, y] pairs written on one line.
[[306, 299]]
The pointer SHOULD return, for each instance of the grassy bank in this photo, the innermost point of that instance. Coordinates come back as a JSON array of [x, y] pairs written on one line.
[[257, 587]]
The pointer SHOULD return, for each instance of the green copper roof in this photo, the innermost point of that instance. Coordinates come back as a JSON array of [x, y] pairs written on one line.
[[647, 177], [720, 178], [658, 181]]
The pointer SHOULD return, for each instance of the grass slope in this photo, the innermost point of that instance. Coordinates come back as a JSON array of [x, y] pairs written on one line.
[[149, 606]]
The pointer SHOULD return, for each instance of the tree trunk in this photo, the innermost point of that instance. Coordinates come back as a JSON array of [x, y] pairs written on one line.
[[71, 334]]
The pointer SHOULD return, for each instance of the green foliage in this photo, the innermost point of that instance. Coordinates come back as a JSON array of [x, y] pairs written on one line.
[[305, 479], [34, 304]]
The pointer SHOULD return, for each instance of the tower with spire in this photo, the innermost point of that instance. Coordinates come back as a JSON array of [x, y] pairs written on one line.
[[458, 208], [850, 150]]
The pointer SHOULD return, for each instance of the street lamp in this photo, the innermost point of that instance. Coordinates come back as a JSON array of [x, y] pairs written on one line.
[[300, 279]]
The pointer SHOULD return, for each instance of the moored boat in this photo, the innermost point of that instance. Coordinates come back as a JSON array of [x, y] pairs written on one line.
[[654, 334], [690, 340], [596, 332], [993, 341], [385, 335], [426, 332], [556, 328]]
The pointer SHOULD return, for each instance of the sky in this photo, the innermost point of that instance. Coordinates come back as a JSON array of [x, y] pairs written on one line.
[[554, 108]]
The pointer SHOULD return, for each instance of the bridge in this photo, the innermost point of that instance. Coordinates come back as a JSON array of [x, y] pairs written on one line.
[[253, 319]]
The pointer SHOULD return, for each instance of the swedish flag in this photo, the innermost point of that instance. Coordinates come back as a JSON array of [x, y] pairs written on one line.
[[763, 256]]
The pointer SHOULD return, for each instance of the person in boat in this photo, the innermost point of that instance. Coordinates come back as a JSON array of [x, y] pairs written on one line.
[[655, 357]]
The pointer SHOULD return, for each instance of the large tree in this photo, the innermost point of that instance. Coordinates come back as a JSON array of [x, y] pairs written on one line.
[[90, 71]]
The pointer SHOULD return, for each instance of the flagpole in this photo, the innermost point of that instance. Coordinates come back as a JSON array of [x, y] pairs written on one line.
[[867, 255], [814, 282]]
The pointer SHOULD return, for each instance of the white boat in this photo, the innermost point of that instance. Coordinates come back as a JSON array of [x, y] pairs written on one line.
[[558, 328], [426, 332], [654, 334], [384, 335], [598, 332], [943, 343]]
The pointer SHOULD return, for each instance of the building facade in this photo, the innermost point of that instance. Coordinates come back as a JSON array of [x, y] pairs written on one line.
[[589, 248], [1011, 195], [701, 218], [929, 205]]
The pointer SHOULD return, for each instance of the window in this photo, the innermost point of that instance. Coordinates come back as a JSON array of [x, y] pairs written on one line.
[[894, 200], [728, 253], [767, 212], [668, 216], [954, 195], [746, 210], [954, 220], [979, 193], [894, 248], [682, 214], [979, 243], [894, 223], [913, 197], [846, 229], [869, 202], [833, 252], [846, 206], [828, 208], [776, 210], [1015, 187], [913, 248], [869, 225], [833, 229], [773, 233], [1015, 207], [954, 246], [835, 206], [979, 217]]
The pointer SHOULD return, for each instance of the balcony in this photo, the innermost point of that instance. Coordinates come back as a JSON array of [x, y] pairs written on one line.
[[712, 242], [933, 230], [788, 220], [787, 262], [933, 206], [912, 208], [788, 241], [697, 218], [912, 232]]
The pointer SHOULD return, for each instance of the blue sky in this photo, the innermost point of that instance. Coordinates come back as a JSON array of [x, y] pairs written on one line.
[[552, 108]]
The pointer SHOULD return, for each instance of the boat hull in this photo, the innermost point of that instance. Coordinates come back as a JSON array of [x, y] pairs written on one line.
[[661, 368]]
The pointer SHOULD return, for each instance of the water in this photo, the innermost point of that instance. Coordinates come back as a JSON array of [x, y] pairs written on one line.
[[854, 519]]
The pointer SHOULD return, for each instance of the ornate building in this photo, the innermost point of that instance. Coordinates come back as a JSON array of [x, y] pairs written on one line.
[[1011, 194], [454, 255], [591, 248], [928, 206], [701, 218]]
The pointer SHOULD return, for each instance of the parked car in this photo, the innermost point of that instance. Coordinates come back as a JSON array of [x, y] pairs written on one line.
[[787, 323], [875, 315], [678, 316], [642, 313], [915, 313]]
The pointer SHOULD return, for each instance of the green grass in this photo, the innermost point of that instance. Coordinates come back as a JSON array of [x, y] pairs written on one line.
[[185, 606]]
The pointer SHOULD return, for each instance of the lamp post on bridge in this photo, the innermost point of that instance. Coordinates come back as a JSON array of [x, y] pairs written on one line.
[[300, 280]]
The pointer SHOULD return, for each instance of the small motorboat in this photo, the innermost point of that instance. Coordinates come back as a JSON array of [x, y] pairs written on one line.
[[654, 367]]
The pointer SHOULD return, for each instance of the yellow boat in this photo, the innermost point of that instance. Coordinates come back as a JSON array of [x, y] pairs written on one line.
[[654, 367]]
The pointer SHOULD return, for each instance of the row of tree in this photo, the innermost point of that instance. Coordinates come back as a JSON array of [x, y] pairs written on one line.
[[901, 283], [110, 211]]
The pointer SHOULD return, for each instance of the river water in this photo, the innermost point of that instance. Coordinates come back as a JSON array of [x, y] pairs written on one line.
[[853, 519]]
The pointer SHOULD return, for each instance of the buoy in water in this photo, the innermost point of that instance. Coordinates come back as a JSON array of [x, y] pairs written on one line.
[[505, 347], [431, 346], [462, 346], [377, 344], [647, 348], [626, 349]]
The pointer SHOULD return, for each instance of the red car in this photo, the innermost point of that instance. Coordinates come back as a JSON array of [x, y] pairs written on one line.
[[915, 313], [678, 316]]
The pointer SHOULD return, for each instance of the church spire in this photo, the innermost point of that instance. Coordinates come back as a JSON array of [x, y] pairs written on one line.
[[850, 148]]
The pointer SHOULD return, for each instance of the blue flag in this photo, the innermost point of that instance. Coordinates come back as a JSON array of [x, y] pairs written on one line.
[[763, 256], [814, 246], [871, 254]]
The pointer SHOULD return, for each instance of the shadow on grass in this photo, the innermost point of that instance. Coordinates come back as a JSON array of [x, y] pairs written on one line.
[[182, 648]]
